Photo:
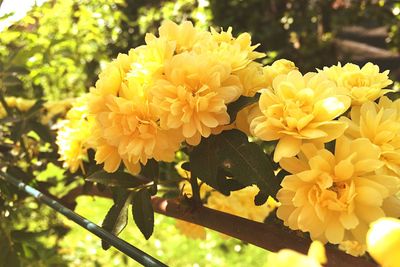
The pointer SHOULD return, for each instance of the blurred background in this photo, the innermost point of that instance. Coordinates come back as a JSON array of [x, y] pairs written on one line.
[[55, 49]]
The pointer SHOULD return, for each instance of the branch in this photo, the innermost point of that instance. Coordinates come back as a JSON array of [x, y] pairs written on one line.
[[265, 235]]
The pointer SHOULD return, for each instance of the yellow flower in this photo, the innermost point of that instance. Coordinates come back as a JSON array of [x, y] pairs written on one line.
[[23, 104], [237, 52], [193, 93], [281, 66], [245, 116], [383, 240], [16, 102], [361, 84], [127, 122], [252, 78], [131, 127], [3, 112], [335, 196], [353, 247], [255, 77], [288, 258], [380, 123], [241, 203], [191, 230], [56, 108], [73, 136], [299, 108], [185, 35]]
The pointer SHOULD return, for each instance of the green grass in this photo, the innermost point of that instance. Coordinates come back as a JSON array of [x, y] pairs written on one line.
[[82, 248]]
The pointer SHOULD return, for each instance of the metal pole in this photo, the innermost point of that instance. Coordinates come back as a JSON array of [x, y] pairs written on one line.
[[133, 252]]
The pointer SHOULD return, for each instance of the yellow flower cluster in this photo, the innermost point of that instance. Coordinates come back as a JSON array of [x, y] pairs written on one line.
[[380, 123], [174, 88], [361, 84], [299, 109], [16, 102], [383, 241], [259, 83], [241, 203], [74, 135], [333, 195], [287, 258], [52, 108]]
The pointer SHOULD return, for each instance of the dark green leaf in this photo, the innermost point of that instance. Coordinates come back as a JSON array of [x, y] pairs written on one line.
[[331, 146], [11, 81], [204, 162], [281, 174], [20, 174], [151, 172], [41, 130], [246, 161], [260, 198], [143, 212], [18, 69], [23, 235], [15, 90], [229, 162], [118, 178], [229, 185], [186, 166], [117, 217], [242, 102]]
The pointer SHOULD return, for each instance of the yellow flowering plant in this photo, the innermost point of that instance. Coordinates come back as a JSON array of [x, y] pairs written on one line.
[[325, 144], [383, 241]]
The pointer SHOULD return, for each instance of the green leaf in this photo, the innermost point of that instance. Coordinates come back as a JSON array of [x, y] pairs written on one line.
[[41, 130], [260, 198], [229, 162], [11, 81], [118, 178], [186, 166], [151, 171], [227, 183], [23, 235], [242, 102], [117, 217], [204, 163], [143, 212], [281, 174], [15, 90], [246, 161], [18, 69]]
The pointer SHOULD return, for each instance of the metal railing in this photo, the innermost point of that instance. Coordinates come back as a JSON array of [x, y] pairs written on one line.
[[120, 244]]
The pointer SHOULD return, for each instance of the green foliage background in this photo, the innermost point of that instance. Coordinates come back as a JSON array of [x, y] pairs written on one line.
[[57, 51]]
